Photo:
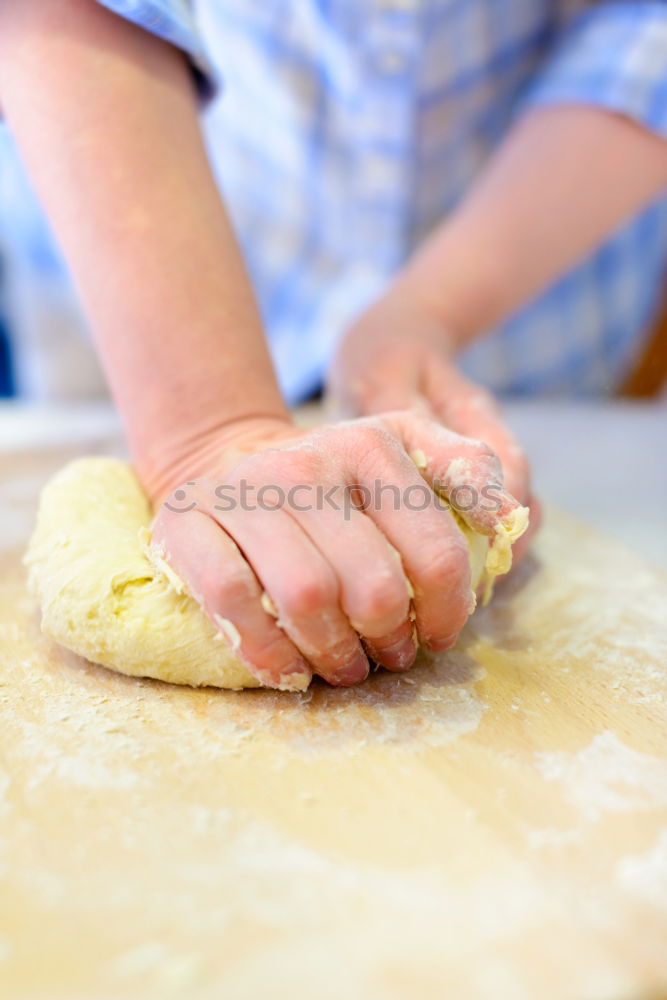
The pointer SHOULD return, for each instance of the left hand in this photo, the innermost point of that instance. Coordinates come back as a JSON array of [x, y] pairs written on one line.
[[398, 355]]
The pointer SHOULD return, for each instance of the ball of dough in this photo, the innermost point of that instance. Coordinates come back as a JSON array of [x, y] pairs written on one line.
[[104, 594]]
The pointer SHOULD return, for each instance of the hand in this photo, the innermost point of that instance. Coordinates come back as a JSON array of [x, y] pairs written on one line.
[[398, 355], [306, 584]]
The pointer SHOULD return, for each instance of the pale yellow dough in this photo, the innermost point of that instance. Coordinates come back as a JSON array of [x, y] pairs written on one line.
[[104, 593]]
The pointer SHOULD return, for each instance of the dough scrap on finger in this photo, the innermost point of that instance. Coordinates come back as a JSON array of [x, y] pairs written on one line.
[[109, 596]]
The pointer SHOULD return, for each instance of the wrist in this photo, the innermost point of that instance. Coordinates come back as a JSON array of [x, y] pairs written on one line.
[[202, 452], [457, 282], [422, 311]]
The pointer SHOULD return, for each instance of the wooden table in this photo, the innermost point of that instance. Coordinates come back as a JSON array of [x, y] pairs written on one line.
[[491, 825]]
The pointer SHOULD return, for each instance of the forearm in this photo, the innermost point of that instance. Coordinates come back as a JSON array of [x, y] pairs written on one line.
[[106, 119], [562, 181]]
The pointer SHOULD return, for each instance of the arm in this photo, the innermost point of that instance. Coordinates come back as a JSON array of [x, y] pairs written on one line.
[[106, 119], [589, 151], [562, 181]]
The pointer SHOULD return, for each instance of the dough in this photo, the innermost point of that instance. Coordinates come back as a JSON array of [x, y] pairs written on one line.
[[104, 593]]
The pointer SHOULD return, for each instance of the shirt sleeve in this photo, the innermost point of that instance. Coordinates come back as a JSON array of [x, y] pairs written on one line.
[[614, 55], [174, 21]]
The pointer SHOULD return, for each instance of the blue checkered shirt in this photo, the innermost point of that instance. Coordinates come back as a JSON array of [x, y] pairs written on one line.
[[342, 131]]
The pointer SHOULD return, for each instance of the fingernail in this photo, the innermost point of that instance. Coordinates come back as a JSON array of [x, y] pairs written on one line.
[[353, 673], [439, 645], [402, 654]]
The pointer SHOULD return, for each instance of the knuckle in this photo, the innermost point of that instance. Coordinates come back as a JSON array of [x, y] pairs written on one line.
[[228, 589], [281, 468], [381, 600], [308, 594], [302, 465], [483, 451], [446, 565], [296, 465], [372, 445], [483, 461], [371, 436]]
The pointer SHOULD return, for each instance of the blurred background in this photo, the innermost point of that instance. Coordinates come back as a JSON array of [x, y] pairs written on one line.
[[45, 350]]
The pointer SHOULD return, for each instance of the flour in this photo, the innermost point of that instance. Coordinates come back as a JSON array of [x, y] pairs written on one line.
[[645, 874], [172, 972], [607, 776]]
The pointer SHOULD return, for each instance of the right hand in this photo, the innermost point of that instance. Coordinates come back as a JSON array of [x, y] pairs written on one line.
[[340, 581], [398, 354]]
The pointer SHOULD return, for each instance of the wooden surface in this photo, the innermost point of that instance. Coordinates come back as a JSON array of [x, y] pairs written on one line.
[[491, 825]]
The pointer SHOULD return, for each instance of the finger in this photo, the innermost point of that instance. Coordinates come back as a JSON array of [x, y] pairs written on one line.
[[303, 588], [466, 471], [219, 578], [433, 549], [470, 410], [397, 651], [377, 600]]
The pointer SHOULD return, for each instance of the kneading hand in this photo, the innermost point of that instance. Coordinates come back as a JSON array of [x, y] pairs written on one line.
[[283, 538], [398, 355]]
